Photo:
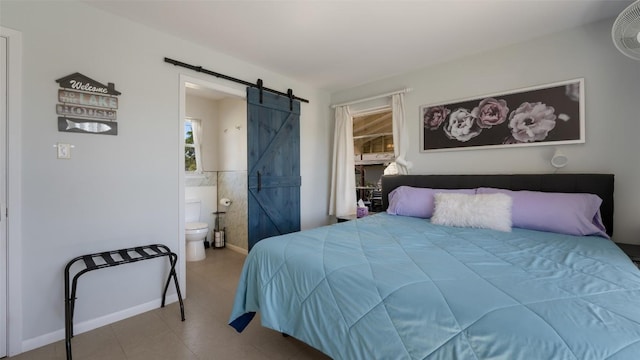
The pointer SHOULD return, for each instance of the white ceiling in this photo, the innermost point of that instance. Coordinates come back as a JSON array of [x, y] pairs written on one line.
[[335, 45]]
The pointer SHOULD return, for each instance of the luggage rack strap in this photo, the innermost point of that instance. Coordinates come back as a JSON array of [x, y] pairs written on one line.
[[126, 256], [114, 258]]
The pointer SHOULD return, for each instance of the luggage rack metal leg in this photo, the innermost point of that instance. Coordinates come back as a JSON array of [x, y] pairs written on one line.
[[106, 259]]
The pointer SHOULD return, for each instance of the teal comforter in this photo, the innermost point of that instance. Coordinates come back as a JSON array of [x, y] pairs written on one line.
[[392, 287]]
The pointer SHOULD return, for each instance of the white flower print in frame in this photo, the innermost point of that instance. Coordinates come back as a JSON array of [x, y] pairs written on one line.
[[551, 114]]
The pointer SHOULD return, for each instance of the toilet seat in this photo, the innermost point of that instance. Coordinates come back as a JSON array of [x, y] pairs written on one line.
[[195, 226]]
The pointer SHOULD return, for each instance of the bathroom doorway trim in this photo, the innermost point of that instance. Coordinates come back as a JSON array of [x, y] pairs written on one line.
[[14, 191]]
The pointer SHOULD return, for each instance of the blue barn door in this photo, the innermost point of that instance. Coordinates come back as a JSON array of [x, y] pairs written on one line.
[[273, 140]]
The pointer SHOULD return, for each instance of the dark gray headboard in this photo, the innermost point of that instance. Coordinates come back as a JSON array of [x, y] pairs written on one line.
[[598, 184]]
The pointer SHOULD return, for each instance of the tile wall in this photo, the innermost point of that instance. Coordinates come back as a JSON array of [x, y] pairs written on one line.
[[233, 185]]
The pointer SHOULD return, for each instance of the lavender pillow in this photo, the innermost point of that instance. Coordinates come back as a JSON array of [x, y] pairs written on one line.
[[565, 213], [417, 202]]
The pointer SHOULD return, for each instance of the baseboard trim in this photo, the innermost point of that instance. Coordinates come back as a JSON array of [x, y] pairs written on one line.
[[237, 249], [91, 324]]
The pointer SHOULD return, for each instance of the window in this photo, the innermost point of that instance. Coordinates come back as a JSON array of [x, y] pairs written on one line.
[[373, 149], [373, 138], [192, 163]]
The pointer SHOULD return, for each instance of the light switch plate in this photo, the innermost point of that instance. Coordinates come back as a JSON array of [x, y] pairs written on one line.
[[64, 151]]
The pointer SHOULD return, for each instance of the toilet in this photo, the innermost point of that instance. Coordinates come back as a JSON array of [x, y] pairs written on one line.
[[195, 231]]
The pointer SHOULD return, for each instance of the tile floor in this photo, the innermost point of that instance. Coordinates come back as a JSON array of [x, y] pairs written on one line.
[[159, 334]]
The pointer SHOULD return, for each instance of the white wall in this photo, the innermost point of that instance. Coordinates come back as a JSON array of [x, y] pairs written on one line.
[[117, 191], [612, 83], [232, 135]]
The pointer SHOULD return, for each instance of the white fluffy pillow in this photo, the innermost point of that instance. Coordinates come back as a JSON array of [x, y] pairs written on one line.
[[488, 211]]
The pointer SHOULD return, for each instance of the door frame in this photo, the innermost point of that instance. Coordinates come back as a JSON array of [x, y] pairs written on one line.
[[14, 190], [184, 79]]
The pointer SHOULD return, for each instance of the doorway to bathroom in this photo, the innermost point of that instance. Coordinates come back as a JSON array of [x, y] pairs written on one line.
[[214, 166]]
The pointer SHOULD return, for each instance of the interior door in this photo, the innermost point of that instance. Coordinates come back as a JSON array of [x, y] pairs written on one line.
[[3, 196], [273, 141]]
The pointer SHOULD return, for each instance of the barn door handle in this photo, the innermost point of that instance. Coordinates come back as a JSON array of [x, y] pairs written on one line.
[[259, 181]]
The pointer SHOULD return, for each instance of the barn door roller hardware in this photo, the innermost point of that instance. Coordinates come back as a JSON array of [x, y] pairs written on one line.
[[258, 85]]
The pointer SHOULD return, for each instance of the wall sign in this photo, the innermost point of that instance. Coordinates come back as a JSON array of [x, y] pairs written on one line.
[[551, 114], [87, 106]]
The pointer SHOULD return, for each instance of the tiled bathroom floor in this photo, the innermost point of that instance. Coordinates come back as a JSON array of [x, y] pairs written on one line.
[[159, 334]]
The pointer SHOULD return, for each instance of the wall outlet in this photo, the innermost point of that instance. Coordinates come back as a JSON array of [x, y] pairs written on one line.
[[64, 151]]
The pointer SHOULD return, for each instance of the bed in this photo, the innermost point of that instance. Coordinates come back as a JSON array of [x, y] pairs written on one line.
[[396, 286]]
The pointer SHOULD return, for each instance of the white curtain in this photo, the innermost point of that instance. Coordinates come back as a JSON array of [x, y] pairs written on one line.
[[196, 127], [400, 134], [343, 180]]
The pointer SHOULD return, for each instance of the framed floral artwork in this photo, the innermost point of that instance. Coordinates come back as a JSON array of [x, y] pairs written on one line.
[[551, 114]]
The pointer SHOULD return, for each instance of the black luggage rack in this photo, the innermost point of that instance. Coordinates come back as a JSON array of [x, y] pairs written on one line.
[[109, 259]]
